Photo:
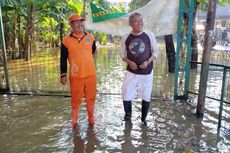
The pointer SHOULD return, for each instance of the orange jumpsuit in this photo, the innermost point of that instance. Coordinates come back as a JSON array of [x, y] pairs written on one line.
[[82, 72]]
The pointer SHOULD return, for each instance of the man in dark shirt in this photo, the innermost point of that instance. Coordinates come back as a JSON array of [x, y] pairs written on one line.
[[138, 50]]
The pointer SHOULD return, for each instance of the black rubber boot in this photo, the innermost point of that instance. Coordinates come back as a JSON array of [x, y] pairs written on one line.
[[144, 111], [128, 110]]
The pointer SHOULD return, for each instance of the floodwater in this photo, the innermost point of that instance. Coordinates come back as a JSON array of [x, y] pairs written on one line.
[[41, 124]]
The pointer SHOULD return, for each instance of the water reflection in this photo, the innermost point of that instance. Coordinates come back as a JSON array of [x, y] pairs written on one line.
[[127, 146], [198, 130], [42, 73], [146, 142], [85, 143], [172, 127]]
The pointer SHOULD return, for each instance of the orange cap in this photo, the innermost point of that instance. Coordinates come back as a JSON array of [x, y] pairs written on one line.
[[76, 17]]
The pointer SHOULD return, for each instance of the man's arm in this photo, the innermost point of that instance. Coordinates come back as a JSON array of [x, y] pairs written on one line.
[[63, 64], [154, 51], [123, 54], [147, 62], [94, 48], [154, 47], [131, 64]]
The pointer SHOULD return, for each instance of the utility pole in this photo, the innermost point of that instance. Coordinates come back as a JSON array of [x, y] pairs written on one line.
[[206, 57]]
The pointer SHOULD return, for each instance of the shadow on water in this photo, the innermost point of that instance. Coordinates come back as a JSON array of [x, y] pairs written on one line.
[[85, 141], [127, 145]]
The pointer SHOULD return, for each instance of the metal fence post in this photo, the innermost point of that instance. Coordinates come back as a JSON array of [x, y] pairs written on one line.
[[3, 47], [222, 97]]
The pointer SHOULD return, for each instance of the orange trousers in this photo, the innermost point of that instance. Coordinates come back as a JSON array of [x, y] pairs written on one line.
[[80, 87]]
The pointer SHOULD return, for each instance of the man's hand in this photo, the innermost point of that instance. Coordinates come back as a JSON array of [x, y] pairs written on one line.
[[144, 65], [63, 80], [132, 65]]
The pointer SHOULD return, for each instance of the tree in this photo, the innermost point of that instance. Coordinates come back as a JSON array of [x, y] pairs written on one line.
[[36, 20], [135, 4], [201, 4]]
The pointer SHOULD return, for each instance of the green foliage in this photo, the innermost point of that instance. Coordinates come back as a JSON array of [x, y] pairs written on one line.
[[47, 17], [203, 4], [7, 2], [135, 4], [103, 3], [219, 1], [75, 7], [222, 2], [102, 38]]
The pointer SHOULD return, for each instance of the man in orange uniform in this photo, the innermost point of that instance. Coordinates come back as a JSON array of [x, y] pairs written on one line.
[[78, 48]]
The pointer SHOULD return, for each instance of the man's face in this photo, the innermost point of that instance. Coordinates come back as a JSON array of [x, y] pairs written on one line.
[[77, 26], [136, 23]]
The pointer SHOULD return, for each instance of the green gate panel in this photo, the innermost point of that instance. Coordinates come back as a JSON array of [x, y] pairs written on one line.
[[183, 52]]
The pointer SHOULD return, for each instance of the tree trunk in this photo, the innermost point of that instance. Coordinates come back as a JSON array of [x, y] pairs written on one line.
[[61, 31], [20, 37], [29, 28], [14, 33], [7, 38], [170, 50], [51, 38], [210, 21], [32, 44], [61, 27]]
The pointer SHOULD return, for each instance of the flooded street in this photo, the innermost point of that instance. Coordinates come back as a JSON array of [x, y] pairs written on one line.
[[42, 124]]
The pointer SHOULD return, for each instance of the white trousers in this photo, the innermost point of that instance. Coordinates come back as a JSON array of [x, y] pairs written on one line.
[[137, 86]]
